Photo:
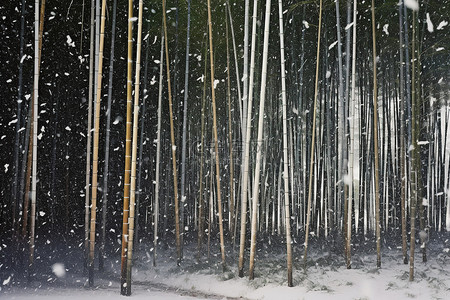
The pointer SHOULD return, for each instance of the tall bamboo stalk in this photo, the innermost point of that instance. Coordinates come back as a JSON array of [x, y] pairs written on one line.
[[18, 146], [216, 142], [230, 136], [158, 154], [88, 137], [245, 108], [27, 195], [101, 251], [185, 117], [402, 137], [285, 149], [134, 149], [233, 219], [35, 125], [413, 165], [142, 140], [201, 201], [352, 144], [259, 141], [172, 139], [341, 115], [126, 190], [247, 144], [95, 149], [311, 162], [375, 140]]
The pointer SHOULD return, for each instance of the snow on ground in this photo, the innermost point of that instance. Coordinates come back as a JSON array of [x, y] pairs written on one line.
[[98, 295], [326, 277]]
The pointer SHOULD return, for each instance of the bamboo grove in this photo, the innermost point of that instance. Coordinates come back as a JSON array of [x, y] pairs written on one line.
[[299, 122]]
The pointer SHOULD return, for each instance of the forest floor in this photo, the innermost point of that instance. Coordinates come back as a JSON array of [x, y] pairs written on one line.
[[326, 276]]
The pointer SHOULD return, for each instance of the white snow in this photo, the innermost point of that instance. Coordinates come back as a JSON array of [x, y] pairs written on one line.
[[439, 49], [348, 26], [412, 4], [117, 120], [7, 280], [442, 25], [69, 41], [385, 29], [306, 24], [332, 45], [153, 80], [41, 213], [347, 180], [59, 270], [430, 26], [328, 75], [104, 294], [216, 82]]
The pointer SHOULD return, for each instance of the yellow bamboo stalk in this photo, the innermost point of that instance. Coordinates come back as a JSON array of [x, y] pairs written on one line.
[[134, 151], [126, 190], [95, 149], [172, 139], [216, 144]]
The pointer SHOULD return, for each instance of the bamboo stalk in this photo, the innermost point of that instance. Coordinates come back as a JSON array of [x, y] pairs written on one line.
[[285, 149], [259, 141], [375, 140], [89, 137], [201, 201], [108, 130], [311, 165], [216, 144], [247, 145], [95, 149], [134, 150], [35, 124], [185, 117], [172, 138], [158, 154], [126, 191], [230, 127]]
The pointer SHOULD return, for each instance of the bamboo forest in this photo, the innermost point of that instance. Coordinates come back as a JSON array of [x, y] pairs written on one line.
[[225, 149]]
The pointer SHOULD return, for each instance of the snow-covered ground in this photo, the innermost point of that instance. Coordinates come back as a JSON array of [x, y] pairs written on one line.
[[325, 278]]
